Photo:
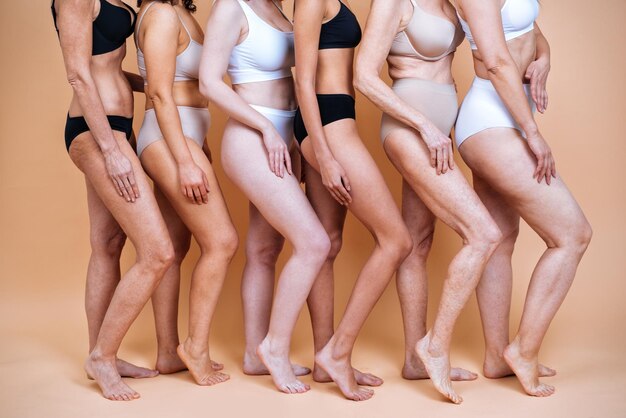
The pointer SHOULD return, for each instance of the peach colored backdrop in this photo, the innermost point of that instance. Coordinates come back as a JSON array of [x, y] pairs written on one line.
[[44, 244]]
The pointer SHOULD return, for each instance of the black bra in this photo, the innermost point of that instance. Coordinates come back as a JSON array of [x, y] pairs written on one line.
[[111, 28], [342, 31]]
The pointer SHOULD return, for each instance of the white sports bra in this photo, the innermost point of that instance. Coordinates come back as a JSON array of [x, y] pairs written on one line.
[[187, 62], [266, 53], [518, 18]]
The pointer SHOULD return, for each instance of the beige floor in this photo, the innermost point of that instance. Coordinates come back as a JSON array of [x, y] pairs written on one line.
[[41, 376]]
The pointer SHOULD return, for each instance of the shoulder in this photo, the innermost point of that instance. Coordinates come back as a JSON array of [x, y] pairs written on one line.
[[230, 8], [161, 13]]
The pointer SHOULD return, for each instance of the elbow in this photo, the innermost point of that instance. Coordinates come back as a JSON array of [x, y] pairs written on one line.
[[159, 96], [78, 79], [495, 65], [362, 81], [303, 85], [205, 90]]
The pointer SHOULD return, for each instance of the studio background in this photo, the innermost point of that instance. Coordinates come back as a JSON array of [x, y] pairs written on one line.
[[44, 249]]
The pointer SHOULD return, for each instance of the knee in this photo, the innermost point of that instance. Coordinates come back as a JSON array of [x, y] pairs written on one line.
[[336, 242], [158, 256], [108, 243], [579, 237], [264, 252], [509, 238], [487, 237], [223, 245], [398, 245], [181, 248], [422, 245], [314, 245]]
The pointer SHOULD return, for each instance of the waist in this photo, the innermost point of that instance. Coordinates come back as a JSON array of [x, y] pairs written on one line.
[[407, 67], [275, 94], [485, 84], [184, 93], [412, 83]]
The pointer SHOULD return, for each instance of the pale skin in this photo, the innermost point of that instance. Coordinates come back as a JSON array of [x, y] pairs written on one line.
[[256, 158], [529, 188], [118, 194], [348, 173], [184, 176], [432, 189]]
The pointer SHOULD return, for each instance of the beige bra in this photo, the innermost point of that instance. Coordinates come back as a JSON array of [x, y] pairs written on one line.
[[427, 37]]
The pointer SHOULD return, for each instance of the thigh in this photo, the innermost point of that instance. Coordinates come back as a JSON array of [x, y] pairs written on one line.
[[179, 233], [206, 221], [504, 214], [502, 158], [260, 232], [281, 200], [418, 218], [329, 211], [141, 220], [372, 202], [102, 225], [449, 196]]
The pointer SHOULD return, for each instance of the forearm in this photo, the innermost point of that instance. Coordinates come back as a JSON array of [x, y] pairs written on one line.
[[542, 47], [93, 111], [507, 82], [228, 100], [383, 96], [136, 81], [311, 117], [171, 127]]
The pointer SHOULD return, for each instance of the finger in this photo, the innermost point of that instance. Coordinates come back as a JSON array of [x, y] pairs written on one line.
[[270, 155], [445, 159], [344, 193], [190, 196], [439, 160], [197, 195], [553, 168], [281, 166], [117, 187], [288, 162], [433, 157], [120, 184], [133, 184], [346, 182], [335, 195], [451, 160], [206, 184], [204, 193], [539, 167], [128, 188]]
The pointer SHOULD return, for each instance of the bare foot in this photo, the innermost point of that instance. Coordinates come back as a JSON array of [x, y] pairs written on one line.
[[342, 373], [496, 368], [414, 370], [526, 370], [126, 369], [438, 368], [170, 362], [200, 365], [280, 369], [253, 366], [364, 379], [105, 373]]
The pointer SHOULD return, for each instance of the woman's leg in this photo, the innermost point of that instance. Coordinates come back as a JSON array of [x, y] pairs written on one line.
[[103, 274], [321, 299], [412, 285], [451, 199], [263, 246], [373, 205], [494, 289], [286, 208], [154, 256], [501, 157], [165, 297], [216, 236]]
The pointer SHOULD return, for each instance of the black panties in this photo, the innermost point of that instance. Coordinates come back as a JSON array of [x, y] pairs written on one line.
[[77, 125], [333, 107]]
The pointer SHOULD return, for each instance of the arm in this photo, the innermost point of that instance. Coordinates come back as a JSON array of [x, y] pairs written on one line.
[[538, 71], [483, 17], [74, 21], [308, 17], [159, 44], [136, 82], [223, 30], [377, 40]]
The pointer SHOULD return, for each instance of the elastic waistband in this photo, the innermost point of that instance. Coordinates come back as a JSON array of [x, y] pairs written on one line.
[[252, 75], [488, 85], [191, 108], [409, 82], [335, 96], [276, 112]]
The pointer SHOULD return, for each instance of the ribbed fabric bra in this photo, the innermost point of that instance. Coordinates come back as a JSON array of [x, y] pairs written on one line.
[[109, 32], [340, 32]]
